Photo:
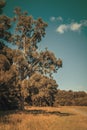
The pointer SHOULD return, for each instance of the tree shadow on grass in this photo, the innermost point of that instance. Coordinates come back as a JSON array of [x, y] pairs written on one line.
[[34, 112], [4, 115], [44, 112]]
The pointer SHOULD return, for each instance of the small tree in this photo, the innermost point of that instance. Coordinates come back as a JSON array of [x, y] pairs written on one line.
[[25, 32]]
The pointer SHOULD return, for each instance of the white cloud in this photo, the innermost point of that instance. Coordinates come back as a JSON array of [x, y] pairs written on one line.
[[59, 18], [62, 28], [84, 22], [54, 19], [75, 26]]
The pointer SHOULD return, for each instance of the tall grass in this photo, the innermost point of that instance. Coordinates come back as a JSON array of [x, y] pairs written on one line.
[[45, 118]]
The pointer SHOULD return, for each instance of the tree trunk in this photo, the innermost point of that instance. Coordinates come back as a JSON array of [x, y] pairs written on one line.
[[22, 104]]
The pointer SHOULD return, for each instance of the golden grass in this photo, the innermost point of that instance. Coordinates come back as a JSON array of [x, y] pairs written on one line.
[[45, 118]]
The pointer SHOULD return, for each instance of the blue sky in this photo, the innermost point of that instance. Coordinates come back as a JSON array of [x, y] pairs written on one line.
[[66, 36]]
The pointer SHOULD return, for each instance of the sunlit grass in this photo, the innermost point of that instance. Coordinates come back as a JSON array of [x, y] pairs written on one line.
[[45, 118]]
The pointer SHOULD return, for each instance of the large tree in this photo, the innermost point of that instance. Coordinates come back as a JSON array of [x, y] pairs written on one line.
[[26, 60]]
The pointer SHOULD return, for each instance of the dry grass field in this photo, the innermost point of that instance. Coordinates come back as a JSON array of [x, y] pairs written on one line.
[[45, 118]]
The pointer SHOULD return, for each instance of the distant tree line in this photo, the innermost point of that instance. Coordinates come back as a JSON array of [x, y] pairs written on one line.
[[70, 98]]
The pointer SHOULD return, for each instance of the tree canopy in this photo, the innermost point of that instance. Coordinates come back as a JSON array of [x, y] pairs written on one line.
[[27, 71]]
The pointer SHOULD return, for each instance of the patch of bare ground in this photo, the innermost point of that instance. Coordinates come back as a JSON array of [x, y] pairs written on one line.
[[45, 118]]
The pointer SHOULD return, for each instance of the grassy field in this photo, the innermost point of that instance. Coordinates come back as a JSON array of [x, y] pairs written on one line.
[[45, 118]]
